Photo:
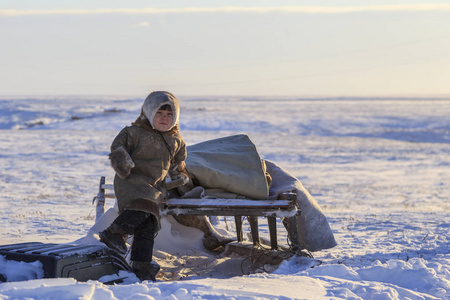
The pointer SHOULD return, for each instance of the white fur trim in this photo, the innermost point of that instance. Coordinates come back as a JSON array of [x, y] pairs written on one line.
[[157, 99]]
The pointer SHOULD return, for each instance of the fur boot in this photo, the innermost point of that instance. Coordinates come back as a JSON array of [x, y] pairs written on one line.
[[114, 237], [145, 270]]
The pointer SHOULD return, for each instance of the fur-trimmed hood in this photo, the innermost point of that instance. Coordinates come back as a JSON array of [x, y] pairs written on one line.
[[157, 99]]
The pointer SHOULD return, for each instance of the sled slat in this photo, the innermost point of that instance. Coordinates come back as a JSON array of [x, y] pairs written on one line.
[[272, 223], [253, 220], [238, 222], [107, 186], [235, 203]]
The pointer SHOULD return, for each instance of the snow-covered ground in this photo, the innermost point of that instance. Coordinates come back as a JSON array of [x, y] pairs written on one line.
[[379, 168]]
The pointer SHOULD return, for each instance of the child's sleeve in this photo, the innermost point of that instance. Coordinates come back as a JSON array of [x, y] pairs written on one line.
[[181, 155], [120, 158], [122, 140], [178, 164]]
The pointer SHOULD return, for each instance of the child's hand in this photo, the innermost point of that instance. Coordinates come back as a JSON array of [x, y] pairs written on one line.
[[181, 167], [178, 169], [177, 181], [121, 162], [179, 172]]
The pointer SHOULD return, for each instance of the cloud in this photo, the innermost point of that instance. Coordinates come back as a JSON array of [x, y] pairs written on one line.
[[233, 9]]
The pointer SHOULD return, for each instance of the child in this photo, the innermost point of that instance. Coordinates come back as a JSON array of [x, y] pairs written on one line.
[[142, 155]]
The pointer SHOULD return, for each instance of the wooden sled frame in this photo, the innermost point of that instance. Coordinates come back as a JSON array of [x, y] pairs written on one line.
[[285, 208]]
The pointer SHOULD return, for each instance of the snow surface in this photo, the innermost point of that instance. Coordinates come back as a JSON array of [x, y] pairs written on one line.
[[379, 168]]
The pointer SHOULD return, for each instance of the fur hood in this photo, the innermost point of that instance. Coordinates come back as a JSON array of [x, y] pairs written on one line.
[[157, 99]]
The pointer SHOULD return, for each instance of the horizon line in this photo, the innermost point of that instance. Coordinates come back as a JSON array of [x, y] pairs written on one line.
[[281, 96], [232, 9]]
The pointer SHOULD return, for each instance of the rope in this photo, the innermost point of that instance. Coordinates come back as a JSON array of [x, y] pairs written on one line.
[[253, 261]]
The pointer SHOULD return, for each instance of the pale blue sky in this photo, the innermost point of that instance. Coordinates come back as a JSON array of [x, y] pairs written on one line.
[[261, 48]]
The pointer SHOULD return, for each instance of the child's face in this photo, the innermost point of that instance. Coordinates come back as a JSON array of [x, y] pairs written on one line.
[[162, 120]]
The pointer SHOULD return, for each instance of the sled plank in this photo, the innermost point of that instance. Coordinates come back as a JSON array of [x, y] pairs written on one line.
[[235, 203]]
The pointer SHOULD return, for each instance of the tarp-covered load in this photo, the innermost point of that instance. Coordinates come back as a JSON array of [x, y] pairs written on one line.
[[232, 167], [231, 164]]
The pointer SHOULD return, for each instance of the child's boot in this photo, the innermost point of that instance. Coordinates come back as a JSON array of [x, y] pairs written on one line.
[[114, 237], [145, 270]]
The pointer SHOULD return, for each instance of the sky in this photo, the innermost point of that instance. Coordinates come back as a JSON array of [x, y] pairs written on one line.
[[215, 48]]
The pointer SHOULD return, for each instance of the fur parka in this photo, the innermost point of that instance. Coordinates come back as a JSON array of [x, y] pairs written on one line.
[[142, 157]]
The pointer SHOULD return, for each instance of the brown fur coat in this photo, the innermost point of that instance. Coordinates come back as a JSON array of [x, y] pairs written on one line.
[[142, 157]]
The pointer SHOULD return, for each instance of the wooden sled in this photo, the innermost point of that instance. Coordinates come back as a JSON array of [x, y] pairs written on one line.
[[285, 208]]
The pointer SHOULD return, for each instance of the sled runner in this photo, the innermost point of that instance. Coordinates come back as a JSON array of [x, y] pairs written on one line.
[[285, 208], [82, 262]]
